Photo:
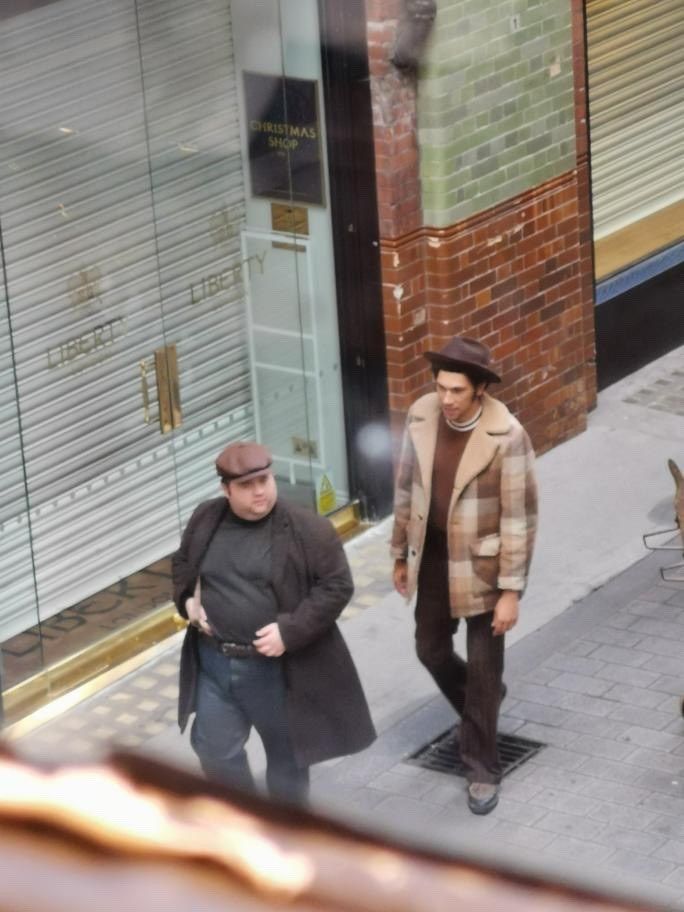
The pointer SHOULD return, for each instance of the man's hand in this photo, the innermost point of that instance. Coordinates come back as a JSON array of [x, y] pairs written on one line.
[[269, 642], [505, 612], [400, 576], [197, 616]]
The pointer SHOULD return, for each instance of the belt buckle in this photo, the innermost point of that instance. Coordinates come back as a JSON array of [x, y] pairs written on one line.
[[236, 650]]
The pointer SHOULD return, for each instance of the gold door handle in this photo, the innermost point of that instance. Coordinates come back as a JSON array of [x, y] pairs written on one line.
[[163, 391], [168, 388], [145, 391], [174, 385]]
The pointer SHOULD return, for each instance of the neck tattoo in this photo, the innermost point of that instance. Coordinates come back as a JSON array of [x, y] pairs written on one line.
[[464, 425]]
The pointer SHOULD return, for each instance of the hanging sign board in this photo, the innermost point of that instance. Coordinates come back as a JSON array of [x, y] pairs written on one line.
[[283, 135]]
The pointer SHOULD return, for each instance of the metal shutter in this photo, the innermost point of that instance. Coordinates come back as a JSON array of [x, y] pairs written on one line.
[[119, 146], [16, 569], [636, 103], [199, 210]]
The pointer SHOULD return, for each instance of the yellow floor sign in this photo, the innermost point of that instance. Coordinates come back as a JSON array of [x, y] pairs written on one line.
[[326, 501]]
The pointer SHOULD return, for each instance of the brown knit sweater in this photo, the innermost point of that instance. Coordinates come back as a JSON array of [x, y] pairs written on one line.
[[448, 453]]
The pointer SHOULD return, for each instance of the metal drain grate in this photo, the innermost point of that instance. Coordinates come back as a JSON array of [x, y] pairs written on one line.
[[442, 754]]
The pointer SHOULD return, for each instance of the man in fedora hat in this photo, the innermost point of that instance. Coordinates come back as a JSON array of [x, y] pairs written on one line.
[[464, 527], [262, 584]]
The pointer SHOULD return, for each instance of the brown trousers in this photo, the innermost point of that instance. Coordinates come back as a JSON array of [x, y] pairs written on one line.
[[474, 688]]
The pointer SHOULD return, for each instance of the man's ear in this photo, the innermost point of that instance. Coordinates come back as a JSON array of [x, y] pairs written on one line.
[[225, 487], [481, 388]]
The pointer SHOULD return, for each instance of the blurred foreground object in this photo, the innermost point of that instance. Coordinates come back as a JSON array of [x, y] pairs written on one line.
[[138, 835], [675, 572]]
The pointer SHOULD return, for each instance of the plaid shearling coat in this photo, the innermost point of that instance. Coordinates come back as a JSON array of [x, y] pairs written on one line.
[[493, 509]]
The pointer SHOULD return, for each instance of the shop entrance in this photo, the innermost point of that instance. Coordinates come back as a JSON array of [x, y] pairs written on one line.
[[156, 305]]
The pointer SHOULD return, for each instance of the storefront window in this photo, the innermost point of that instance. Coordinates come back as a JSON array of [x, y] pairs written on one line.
[[167, 287]]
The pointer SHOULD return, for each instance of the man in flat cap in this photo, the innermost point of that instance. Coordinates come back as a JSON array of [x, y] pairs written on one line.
[[464, 524], [262, 584]]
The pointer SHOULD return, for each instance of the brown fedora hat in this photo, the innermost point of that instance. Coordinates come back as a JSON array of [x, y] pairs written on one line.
[[463, 353]]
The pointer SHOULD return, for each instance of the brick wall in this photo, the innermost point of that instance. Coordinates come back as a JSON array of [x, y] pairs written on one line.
[[517, 275], [395, 126], [511, 278], [495, 104]]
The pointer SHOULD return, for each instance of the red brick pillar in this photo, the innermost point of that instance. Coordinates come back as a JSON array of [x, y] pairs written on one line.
[[579, 62], [510, 277], [398, 183]]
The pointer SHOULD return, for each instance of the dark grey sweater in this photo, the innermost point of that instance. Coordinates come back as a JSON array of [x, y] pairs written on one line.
[[235, 577]]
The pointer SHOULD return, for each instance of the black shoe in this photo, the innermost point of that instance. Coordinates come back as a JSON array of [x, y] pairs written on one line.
[[483, 797]]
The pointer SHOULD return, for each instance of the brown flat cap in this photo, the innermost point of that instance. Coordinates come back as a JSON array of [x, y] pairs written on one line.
[[461, 353], [243, 460]]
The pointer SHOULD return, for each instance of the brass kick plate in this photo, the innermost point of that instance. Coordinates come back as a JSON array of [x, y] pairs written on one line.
[[291, 219], [303, 447]]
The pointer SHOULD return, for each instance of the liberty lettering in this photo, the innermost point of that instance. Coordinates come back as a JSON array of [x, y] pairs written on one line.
[[100, 336], [216, 282], [260, 260]]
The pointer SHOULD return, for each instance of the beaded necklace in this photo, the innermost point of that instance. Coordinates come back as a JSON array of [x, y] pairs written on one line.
[[465, 425]]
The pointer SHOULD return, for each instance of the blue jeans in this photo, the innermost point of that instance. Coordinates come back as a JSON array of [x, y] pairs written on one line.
[[234, 694]]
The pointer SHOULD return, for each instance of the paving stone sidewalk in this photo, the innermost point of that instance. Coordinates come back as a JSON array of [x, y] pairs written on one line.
[[600, 686], [141, 707]]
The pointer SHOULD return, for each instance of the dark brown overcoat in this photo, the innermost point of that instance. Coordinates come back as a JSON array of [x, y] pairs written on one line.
[[327, 710]]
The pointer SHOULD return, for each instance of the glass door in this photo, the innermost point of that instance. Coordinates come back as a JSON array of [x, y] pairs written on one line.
[[198, 209], [287, 241], [84, 307]]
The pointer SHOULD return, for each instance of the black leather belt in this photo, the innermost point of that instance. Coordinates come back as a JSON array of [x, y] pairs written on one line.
[[234, 650]]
